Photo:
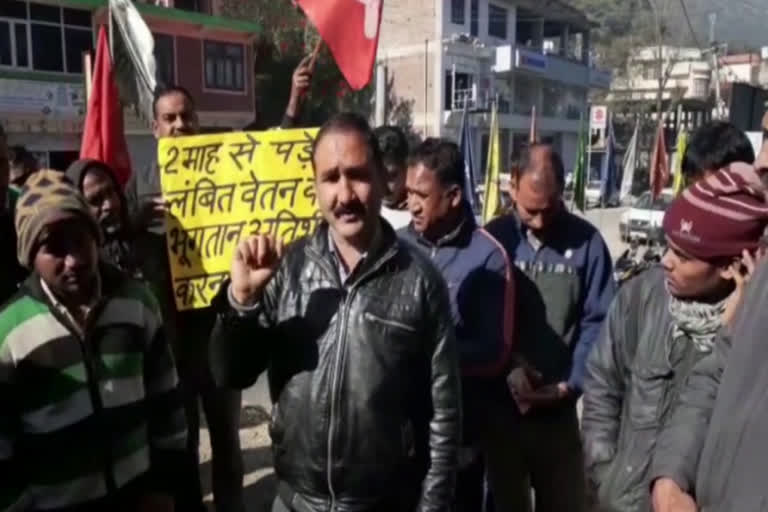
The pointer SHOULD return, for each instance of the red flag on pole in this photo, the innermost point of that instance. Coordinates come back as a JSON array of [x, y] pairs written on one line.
[[659, 163], [350, 28], [103, 137]]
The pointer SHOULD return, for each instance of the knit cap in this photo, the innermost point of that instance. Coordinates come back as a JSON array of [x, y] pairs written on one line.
[[719, 216], [46, 195]]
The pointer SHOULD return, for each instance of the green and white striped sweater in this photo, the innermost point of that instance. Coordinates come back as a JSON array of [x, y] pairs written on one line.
[[87, 422]]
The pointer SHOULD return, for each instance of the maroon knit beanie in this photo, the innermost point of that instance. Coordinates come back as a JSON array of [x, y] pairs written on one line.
[[719, 216]]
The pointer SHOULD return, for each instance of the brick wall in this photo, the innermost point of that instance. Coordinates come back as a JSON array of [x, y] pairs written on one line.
[[405, 26], [407, 22], [406, 78]]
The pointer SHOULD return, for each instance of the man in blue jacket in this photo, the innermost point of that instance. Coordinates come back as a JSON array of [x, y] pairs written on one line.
[[479, 278], [564, 278]]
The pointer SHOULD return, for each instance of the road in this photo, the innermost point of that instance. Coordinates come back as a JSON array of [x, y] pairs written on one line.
[[259, 482]]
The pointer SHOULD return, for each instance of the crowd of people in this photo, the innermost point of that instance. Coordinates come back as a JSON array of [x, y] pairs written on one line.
[[416, 360]]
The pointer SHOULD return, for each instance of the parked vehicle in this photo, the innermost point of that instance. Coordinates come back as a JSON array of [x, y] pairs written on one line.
[[592, 193], [643, 220], [634, 261]]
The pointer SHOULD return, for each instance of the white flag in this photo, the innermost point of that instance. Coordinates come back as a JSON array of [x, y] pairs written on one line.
[[138, 75], [629, 164]]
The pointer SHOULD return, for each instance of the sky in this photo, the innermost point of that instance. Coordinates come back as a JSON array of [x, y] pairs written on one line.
[[738, 21]]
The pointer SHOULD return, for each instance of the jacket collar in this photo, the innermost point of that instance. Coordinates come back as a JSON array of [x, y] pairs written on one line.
[[557, 224], [383, 248], [110, 280], [459, 236]]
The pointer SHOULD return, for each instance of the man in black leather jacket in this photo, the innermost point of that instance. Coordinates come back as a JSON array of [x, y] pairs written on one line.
[[355, 328]]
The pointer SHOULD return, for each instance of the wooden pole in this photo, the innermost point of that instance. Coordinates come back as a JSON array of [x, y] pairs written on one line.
[[88, 73], [315, 54]]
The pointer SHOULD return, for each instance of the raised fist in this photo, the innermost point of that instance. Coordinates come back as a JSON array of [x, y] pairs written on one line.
[[254, 263]]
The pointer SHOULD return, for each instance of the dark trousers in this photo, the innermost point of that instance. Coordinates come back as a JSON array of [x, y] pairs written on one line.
[[490, 426], [222, 416], [548, 460]]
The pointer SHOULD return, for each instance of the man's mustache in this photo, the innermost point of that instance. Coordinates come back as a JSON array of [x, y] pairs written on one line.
[[351, 208]]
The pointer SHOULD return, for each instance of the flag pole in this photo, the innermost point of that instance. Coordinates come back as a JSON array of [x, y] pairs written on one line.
[[578, 150], [588, 167], [88, 75], [315, 54], [110, 28]]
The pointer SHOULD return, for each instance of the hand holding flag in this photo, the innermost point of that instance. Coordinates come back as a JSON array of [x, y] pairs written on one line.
[[350, 28]]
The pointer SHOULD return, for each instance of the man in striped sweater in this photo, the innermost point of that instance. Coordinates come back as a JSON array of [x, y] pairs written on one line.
[[90, 419]]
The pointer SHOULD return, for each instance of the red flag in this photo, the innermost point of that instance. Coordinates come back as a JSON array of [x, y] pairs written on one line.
[[103, 137], [350, 28], [659, 163]]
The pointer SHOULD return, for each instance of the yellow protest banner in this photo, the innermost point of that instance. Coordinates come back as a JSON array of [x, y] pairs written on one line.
[[223, 187]]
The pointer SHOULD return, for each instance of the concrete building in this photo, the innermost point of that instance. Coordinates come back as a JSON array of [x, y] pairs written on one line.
[[743, 68], [688, 75], [444, 54], [42, 87], [691, 81]]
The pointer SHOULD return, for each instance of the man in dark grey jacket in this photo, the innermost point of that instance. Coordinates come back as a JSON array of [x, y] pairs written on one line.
[[355, 328], [712, 454], [660, 325]]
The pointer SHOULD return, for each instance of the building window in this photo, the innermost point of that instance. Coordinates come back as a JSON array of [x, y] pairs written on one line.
[[203, 6], [651, 71], [165, 59], [497, 21], [44, 37], [463, 94], [700, 87], [474, 17], [457, 11], [526, 94], [224, 66]]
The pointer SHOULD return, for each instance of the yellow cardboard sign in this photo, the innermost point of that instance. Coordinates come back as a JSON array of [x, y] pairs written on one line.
[[224, 187]]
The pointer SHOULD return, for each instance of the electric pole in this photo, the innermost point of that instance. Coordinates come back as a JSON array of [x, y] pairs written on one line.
[[714, 47]]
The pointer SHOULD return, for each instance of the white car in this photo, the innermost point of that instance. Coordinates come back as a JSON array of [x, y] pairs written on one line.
[[643, 220], [592, 193]]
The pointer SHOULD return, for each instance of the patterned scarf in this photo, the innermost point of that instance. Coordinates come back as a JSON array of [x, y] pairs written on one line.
[[697, 320]]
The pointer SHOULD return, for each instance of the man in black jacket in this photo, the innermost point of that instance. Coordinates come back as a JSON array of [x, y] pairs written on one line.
[[661, 325], [355, 328]]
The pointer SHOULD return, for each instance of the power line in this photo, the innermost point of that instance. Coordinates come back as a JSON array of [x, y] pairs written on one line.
[[690, 25]]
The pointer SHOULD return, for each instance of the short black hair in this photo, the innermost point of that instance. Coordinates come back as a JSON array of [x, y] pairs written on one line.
[[347, 122], [522, 164], [393, 145], [716, 145], [167, 91], [441, 157]]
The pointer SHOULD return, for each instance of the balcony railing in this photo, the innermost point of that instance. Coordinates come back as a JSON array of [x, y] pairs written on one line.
[[478, 100]]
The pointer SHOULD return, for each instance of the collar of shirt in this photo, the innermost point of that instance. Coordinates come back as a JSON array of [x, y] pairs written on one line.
[[344, 272], [62, 309]]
